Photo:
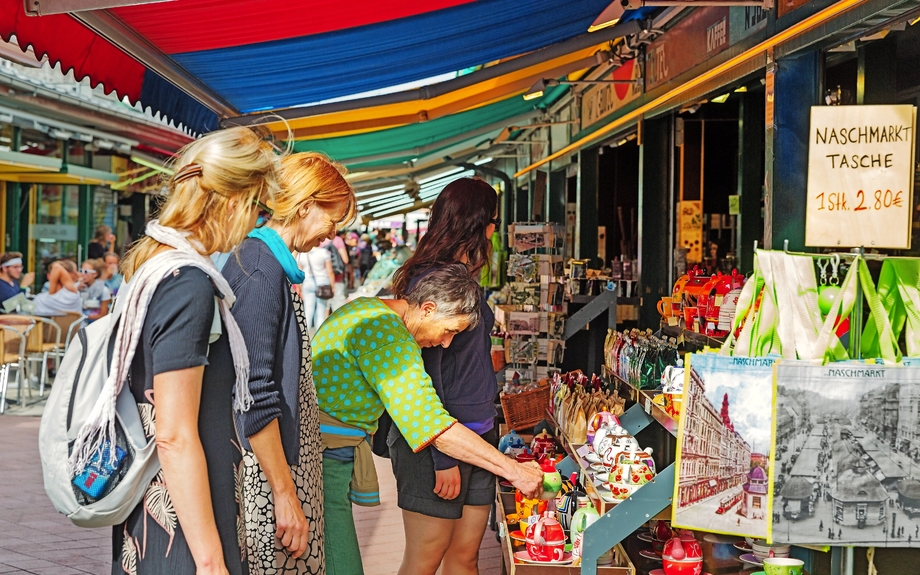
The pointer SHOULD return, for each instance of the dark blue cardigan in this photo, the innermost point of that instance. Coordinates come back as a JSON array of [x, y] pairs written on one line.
[[265, 313]]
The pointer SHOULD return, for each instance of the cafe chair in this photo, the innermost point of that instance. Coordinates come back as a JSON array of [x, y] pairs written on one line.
[[69, 323], [13, 338], [42, 344]]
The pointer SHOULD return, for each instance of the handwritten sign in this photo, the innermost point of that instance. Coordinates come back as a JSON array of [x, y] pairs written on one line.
[[860, 176]]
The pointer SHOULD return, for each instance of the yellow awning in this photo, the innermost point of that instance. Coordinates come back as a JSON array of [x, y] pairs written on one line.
[[33, 169], [393, 115]]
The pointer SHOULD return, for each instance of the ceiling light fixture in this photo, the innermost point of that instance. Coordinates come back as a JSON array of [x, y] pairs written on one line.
[[721, 99], [609, 17]]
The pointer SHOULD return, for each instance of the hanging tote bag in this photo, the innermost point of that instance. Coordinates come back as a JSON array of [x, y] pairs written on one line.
[[899, 296], [852, 439], [725, 411]]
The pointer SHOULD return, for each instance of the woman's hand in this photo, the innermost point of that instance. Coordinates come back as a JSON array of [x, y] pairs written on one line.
[[447, 482], [293, 529], [529, 479]]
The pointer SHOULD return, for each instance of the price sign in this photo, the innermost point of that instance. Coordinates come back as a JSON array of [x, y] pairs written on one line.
[[860, 176]]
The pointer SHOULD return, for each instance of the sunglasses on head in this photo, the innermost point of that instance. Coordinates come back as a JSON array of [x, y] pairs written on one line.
[[265, 213], [496, 221]]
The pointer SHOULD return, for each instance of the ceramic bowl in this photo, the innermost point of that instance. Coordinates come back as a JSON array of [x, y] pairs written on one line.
[[762, 550]]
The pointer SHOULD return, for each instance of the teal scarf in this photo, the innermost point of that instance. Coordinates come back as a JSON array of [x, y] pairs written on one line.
[[281, 252]]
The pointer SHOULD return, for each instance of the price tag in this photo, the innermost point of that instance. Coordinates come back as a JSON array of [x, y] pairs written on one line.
[[672, 321], [648, 405], [532, 519], [719, 299]]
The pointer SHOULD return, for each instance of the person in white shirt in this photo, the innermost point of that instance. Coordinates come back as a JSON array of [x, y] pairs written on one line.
[[63, 290], [317, 265]]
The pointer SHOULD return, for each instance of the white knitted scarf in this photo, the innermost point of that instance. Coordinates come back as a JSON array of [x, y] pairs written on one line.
[[136, 296]]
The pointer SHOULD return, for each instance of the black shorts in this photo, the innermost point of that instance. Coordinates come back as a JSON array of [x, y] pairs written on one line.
[[415, 480]]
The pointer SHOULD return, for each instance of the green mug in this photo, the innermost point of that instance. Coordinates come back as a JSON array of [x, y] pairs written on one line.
[[783, 566]]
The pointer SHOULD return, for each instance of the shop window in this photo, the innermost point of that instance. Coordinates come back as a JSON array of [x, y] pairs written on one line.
[[6, 138], [39, 143], [77, 153], [54, 234]]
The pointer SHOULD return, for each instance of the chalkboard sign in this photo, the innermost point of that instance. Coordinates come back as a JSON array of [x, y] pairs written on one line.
[[860, 176]]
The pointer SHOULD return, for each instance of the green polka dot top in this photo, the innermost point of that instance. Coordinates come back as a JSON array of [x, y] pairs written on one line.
[[365, 361]]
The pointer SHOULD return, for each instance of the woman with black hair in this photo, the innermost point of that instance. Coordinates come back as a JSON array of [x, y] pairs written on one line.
[[445, 502]]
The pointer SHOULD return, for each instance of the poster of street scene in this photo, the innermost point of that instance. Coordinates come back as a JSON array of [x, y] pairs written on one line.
[[847, 453], [723, 446]]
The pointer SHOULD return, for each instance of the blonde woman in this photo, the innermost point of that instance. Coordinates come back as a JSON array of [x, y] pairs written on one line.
[[188, 373], [282, 452]]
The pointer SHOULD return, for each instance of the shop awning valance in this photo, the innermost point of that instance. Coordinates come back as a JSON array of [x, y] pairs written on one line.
[[254, 55], [34, 169]]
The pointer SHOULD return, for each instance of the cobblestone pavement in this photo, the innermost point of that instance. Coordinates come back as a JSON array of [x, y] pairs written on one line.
[[34, 538]]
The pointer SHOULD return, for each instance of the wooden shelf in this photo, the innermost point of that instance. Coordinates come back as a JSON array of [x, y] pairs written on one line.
[[602, 505], [643, 397], [699, 339]]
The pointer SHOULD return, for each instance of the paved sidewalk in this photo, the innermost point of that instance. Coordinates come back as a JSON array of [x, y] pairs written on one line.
[[34, 538]]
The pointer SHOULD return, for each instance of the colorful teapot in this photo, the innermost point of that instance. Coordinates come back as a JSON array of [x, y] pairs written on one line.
[[527, 507], [601, 420], [552, 480], [545, 540], [682, 556], [543, 443], [510, 440]]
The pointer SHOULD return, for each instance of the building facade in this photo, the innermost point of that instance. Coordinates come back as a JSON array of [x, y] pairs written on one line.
[[714, 457]]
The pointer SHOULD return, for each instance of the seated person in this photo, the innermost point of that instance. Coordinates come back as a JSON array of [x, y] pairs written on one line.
[[63, 290], [96, 295], [112, 276], [11, 278]]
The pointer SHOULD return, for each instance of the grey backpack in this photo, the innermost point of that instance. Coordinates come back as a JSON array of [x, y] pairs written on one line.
[[103, 494]]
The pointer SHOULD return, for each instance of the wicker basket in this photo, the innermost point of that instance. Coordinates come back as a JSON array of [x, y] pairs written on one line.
[[523, 410]]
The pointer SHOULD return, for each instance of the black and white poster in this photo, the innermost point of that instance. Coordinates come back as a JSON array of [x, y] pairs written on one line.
[[847, 455]]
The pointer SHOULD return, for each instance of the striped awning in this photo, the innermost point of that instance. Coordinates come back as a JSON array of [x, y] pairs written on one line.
[[196, 61]]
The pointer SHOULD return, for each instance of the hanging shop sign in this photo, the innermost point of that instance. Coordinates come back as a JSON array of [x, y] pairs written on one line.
[[59, 232], [744, 21], [860, 176], [605, 99], [694, 40]]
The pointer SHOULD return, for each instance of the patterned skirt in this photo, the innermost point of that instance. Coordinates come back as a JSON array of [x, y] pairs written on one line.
[[266, 554]]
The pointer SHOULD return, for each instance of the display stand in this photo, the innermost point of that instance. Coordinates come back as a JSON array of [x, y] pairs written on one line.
[[651, 501]]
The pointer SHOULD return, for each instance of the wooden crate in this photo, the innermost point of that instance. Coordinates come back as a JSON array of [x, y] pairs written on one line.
[[505, 503]]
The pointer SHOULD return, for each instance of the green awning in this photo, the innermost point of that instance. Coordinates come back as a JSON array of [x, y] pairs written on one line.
[[402, 143]]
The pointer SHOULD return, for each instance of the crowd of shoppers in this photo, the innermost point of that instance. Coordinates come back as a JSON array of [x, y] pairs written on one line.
[[262, 427]]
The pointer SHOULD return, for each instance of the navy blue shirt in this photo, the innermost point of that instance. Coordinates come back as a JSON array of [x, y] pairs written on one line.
[[8, 290], [462, 375]]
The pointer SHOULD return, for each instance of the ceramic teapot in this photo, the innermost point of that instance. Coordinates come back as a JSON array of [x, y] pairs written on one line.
[[545, 540], [543, 443], [682, 549], [601, 419], [682, 556], [552, 480], [510, 440], [526, 507]]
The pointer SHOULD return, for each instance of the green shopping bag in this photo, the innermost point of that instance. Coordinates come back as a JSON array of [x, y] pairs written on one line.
[[898, 301]]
